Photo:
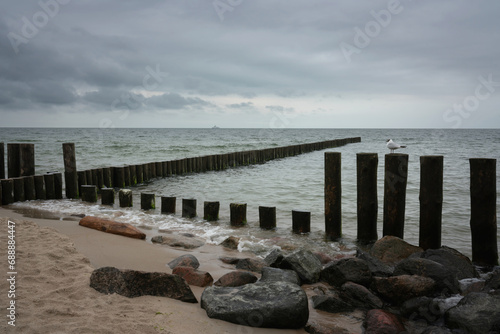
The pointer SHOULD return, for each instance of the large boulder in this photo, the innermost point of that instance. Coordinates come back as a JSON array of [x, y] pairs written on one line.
[[476, 313], [380, 321], [347, 270], [360, 297], [177, 240], [251, 264], [231, 242], [377, 267], [493, 281], [305, 264], [446, 281], [460, 265], [392, 249], [236, 278], [274, 258], [132, 283], [399, 289], [331, 303], [110, 226], [262, 304], [186, 260], [270, 274], [193, 276]]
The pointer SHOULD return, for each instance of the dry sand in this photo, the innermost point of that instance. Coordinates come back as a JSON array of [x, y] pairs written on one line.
[[54, 261]]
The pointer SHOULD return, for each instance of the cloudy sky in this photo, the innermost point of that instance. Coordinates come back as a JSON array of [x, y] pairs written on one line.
[[250, 63]]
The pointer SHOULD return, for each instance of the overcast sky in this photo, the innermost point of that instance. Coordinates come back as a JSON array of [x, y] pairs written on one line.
[[250, 63]]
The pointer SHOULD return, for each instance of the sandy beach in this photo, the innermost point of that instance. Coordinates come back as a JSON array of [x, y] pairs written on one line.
[[54, 261]]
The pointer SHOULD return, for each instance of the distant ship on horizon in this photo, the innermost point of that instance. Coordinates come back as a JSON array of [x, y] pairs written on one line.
[[215, 127]]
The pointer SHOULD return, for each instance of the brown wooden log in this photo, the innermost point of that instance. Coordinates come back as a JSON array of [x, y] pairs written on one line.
[[168, 204], [148, 201], [29, 188], [159, 169], [188, 207], [82, 180], [112, 227], [267, 217], [7, 191], [107, 178], [125, 198], [19, 195], [50, 187], [431, 201], [301, 221], [40, 191], [367, 207], [139, 174], [119, 177], [483, 220], [395, 179], [238, 214], [89, 193], [70, 172], [133, 175], [13, 160], [107, 196], [27, 159], [211, 211], [333, 196], [58, 186]]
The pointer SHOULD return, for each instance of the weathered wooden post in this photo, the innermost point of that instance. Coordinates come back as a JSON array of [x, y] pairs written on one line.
[[133, 175], [27, 159], [107, 196], [1, 193], [50, 188], [148, 201], [395, 179], [138, 173], [107, 179], [431, 201], [89, 177], [2, 161], [58, 185], [40, 190], [146, 174], [125, 198], [70, 172], [13, 160], [7, 191], [126, 176], [89, 193], [29, 188], [211, 211], [159, 169], [238, 214], [19, 195], [367, 207], [119, 177], [82, 180], [483, 220], [168, 204], [301, 221], [188, 207], [333, 196], [267, 217]]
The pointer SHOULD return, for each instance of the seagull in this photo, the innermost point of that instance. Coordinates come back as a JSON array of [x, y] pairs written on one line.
[[393, 146]]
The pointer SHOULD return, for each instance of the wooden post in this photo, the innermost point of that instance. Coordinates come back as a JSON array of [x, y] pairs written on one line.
[[82, 180], [1, 193], [367, 207], [148, 201], [431, 201], [58, 185], [188, 207], [152, 169], [107, 196], [395, 178], [13, 160], [138, 173], [211, 211], [159, 169], [2, 161], [29, 188], [19, 195], [7, 191], [146, 175], [27, 159], [133, 175], [267, 217], [89, 177], [238, 214], [107, 179], [40, 191], [70, 172], [168, 204], [89, 193], [50, 187], [126, 176], [333, 196], [483, 220], [119, 177], [125, 198], [301, 221]]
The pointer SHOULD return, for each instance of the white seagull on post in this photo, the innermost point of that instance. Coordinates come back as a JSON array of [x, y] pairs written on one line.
[[393, 146]]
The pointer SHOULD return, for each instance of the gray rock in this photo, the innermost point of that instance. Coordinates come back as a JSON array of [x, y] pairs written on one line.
[[360, 297], [399, 289], [186, 260], [331, 304], [305, 264], [131, 283], [276, 275], [377, 267], [274, 258], [453, 260], [231, 242], [351, 269], [250, 264], [392, 249], [262, 304], [493, 280], [437, 330], [178, 241], [236, 278], [419, 308], [446, 281], [476, 313]]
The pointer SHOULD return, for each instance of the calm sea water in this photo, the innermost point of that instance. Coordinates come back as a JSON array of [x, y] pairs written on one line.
[[290, 183]]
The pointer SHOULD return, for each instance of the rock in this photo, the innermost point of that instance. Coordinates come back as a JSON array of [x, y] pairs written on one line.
[[360, 297], [316, 328], [469, 285], [274, 258], [262, 304], [377, 267], [193, 276], [493, 281], [323, 258], [250, 264], [392, 249], [418, 307], [178, 241], [229, 260], [349, 269], [131, 283], [436, 330], [186, 260], [110, 226], [231, 242], [476, 313], [446, 281], [453, 260], [380, 321], [276, 275], [331, 304], [236, 278], [399, 289], [305, 264]]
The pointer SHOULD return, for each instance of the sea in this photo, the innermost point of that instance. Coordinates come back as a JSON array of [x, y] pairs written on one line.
[[293, 183]]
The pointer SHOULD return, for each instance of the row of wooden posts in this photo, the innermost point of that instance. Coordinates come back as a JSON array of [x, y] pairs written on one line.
[[483, 196]]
